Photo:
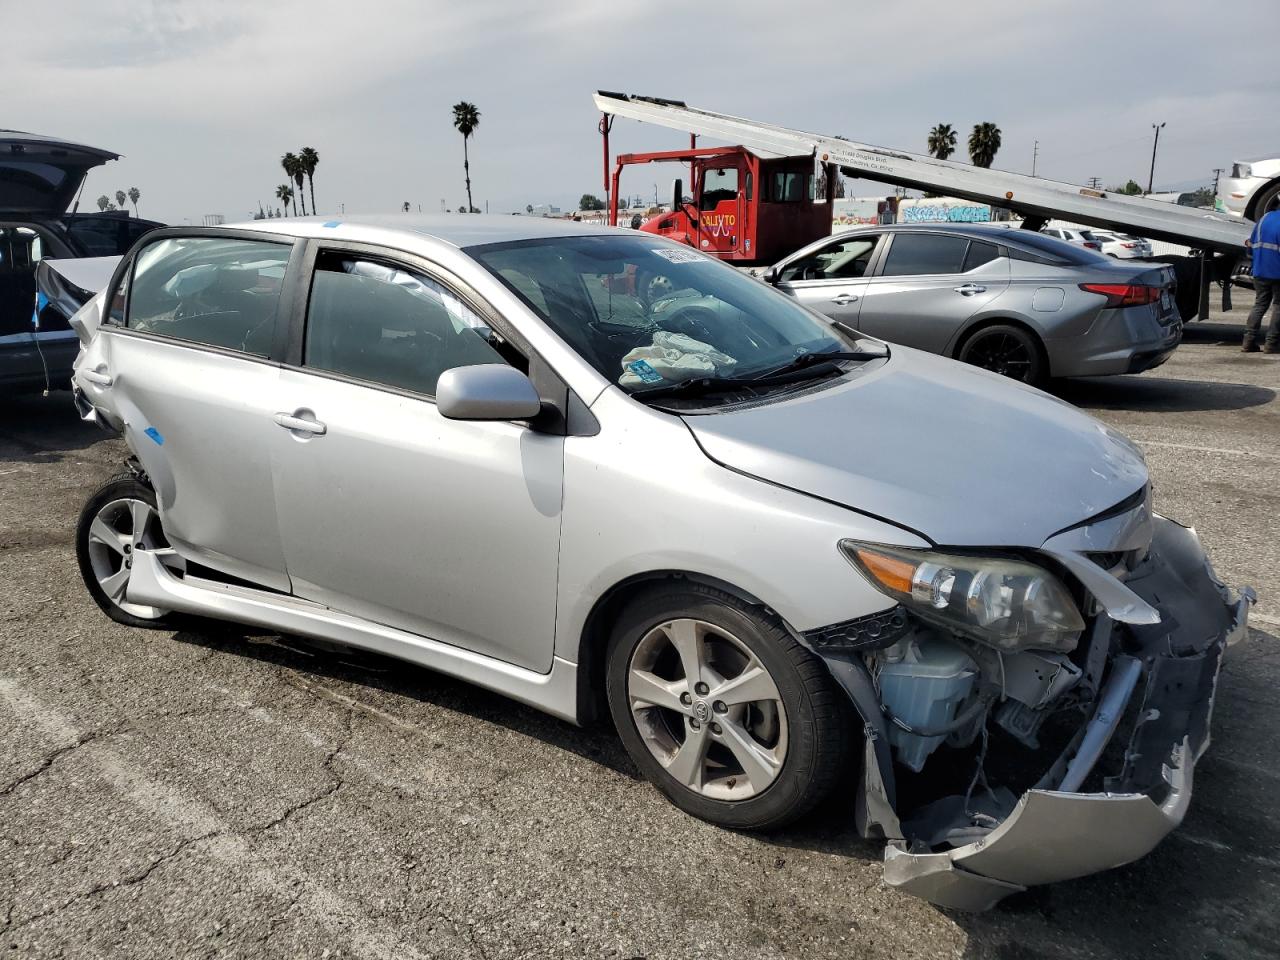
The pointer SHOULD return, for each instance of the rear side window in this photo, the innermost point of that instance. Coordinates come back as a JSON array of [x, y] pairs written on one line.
[[915, 254], [979, 253], [392, 326], [213, 290]]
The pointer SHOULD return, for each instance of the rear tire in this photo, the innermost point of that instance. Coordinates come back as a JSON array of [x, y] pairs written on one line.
[[120, 515], [768, 752], [1007, 350]]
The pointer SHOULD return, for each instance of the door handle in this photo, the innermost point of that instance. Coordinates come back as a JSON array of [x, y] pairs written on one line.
[[96, 378], [843, 299], [300, 424], [969, 289]]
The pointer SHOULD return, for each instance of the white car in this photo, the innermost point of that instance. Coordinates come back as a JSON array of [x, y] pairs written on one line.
[[1122, 246], [1075, 235], [1252, 189]]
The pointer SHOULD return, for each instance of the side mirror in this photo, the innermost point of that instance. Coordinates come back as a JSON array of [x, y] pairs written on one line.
[[770, 276], [677, 195], [486, 391]]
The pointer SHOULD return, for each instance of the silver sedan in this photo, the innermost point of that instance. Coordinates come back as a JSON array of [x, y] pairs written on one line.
[[789, 561], [1012, 301]]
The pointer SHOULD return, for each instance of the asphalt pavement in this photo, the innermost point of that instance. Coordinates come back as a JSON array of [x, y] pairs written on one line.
[[221, 792]]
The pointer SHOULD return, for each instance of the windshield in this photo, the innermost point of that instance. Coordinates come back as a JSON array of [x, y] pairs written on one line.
[[646, 313]]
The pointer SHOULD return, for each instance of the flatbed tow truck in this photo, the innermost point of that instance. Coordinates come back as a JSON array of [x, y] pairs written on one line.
[[1218, 238]]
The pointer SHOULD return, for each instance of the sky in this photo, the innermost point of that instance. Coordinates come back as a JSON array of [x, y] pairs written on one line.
[[203, 98]]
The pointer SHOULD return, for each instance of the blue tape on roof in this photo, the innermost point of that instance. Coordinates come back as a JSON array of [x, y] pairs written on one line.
[[331, 223]]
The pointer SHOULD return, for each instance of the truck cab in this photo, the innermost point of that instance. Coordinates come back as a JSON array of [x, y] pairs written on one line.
[[742, 207]]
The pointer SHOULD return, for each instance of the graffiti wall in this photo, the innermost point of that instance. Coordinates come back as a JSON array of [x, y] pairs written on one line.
[[946, 211]]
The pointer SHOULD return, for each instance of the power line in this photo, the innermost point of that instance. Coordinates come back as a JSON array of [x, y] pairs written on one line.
[[1095, 182], [1216, 172]]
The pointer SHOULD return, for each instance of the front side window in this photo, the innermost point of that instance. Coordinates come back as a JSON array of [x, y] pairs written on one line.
[[844, 260], [646, 313], [392, 326], [219, 291], [718, 184], [916, 254]]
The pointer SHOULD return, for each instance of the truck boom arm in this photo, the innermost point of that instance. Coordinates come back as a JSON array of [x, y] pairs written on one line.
[[1034, 198]]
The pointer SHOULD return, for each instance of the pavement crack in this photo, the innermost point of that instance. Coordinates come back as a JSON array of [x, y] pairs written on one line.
[[139, 876], [49, 760], [336, 780]]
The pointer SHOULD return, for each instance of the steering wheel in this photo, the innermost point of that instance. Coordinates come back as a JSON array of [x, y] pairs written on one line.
[[692, 320]]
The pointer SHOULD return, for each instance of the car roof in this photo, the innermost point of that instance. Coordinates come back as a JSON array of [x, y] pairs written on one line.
[[458, 229], [980, 231]]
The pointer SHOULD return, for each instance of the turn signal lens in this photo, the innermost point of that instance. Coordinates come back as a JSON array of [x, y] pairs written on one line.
[[889, 572]]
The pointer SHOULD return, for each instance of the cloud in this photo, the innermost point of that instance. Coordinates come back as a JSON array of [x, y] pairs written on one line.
[[202, 98]]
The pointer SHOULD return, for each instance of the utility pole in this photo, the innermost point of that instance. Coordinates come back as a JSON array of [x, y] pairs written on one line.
[[1152, 178], [1095, 182], [1216, 172], [1035, 153]]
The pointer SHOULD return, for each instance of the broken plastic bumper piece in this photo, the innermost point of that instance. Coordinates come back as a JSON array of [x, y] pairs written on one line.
[[1056, 834]]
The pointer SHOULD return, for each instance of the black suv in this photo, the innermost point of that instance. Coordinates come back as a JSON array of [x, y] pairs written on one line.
[[39, 178]]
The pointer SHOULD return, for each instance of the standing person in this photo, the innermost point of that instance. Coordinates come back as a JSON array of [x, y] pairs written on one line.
[[1265, 244]]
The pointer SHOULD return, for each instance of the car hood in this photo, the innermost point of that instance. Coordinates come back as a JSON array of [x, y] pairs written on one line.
[[40, 176], [960, 455]]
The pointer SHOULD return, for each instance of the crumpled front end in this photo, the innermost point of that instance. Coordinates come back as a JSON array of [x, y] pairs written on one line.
[[1072, 764]]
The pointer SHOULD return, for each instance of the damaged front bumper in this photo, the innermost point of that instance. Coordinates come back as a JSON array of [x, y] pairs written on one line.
[[1161, 679]]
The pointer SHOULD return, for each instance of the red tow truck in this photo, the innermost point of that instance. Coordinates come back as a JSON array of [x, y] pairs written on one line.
[[746, 207]]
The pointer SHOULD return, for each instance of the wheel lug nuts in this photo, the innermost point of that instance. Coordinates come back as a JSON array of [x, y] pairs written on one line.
[[686, 699], [719, 707], [715, 728], [128, 548], [701, 689], [694, 724]]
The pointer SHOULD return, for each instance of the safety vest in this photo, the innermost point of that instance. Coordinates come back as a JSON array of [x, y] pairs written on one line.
[[1266, 246]]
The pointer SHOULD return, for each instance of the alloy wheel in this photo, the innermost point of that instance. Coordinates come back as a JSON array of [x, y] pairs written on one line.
[[119, 529], [1001, 353], [707, 709]]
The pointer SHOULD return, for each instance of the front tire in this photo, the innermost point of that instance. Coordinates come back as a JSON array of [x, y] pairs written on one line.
[[120, 517], [723, 710]]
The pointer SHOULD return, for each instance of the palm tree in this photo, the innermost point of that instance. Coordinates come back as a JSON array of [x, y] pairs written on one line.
[[121, 198], [308, 158], [284, 193], [135, 195], [103, 202], [293, 171], [466, 118], [942, 141], [983, 144]]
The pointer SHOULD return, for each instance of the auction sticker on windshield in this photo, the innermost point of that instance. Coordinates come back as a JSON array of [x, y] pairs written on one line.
[[679, 256]]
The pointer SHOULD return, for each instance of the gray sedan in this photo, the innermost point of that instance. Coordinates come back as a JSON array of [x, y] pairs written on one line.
[[1012, 301]]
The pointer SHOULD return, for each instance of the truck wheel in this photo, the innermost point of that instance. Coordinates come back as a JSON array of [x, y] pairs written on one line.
[[118, 518], [1007, 350], [722, 710]]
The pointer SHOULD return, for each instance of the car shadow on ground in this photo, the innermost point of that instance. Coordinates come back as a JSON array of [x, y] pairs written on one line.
[[36, 429], [1162, 394], [597, 742]]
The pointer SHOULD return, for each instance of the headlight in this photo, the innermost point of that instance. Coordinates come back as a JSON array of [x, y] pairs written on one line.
[[1006, 604]]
